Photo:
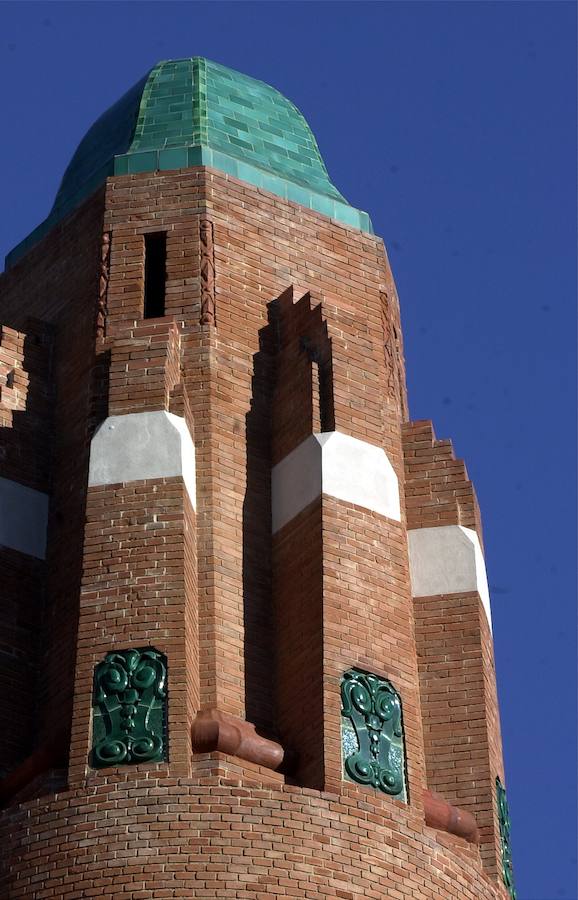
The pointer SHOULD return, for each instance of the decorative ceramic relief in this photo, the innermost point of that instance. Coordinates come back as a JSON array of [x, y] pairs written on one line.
[[504, 822], [130, 708], [372, 733]]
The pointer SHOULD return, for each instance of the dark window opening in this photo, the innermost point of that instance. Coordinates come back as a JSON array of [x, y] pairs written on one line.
[[155, 275]]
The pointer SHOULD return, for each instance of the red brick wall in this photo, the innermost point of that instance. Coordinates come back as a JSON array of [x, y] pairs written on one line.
[[460, 710], [455, 650], [139, 540], [50, 297], [233, 833], [368, 623], [205, 826], [438, 490]]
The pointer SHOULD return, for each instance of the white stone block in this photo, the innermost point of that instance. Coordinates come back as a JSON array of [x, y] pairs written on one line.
[[340, 466], [144, 445], [447, 560]]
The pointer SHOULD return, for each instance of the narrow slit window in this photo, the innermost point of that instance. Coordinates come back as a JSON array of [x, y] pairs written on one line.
[[155, 275]]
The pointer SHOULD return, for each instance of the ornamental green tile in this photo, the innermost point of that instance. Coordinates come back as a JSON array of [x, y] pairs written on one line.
[[504, 824], [129, 714], [213, 116], [372, 734]]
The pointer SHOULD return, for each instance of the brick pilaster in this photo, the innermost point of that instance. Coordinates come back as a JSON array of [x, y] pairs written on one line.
[[455, 648]]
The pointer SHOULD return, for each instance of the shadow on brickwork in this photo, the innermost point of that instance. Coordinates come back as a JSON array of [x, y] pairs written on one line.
[[44, 444], [81, 396], [259, 646], [99, 391], [26, 411]]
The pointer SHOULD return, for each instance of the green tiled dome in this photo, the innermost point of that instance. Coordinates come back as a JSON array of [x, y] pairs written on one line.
[[191, 112]]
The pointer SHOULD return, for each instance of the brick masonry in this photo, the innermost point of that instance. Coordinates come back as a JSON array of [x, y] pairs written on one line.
[[455, 649], [282, 324]]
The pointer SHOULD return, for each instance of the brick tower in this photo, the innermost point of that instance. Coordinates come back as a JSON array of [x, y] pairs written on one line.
[[245, 634]]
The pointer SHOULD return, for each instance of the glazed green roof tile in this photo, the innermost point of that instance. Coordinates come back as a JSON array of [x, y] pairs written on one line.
[[191, 112]]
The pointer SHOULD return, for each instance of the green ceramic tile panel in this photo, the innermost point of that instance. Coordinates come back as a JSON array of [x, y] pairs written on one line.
[[143, 162], [249, 173], [350, 216], [302, 196], [129, 712], [325, 206], [372, 734], [173, 159], [196, 112], [121, 166]]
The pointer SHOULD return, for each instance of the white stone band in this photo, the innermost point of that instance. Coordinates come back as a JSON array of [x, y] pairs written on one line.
[[447, 560], [23, 518], [143, 445], [337, 465]]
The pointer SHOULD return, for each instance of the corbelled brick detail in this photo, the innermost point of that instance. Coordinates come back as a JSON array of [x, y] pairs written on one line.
[[26, 399], [438, 490], [13, 378], [26, 409], [303, 401], [144, 368]]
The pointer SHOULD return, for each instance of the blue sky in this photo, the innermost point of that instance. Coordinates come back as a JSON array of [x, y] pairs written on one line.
[[454, 126]]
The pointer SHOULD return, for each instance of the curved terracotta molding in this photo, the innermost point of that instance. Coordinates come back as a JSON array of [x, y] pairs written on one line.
[[441, 814], [215, 730], [51, 755]]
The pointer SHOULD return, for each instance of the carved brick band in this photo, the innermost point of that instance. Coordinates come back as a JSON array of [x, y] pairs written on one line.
[[207, 272], [103, 286]]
